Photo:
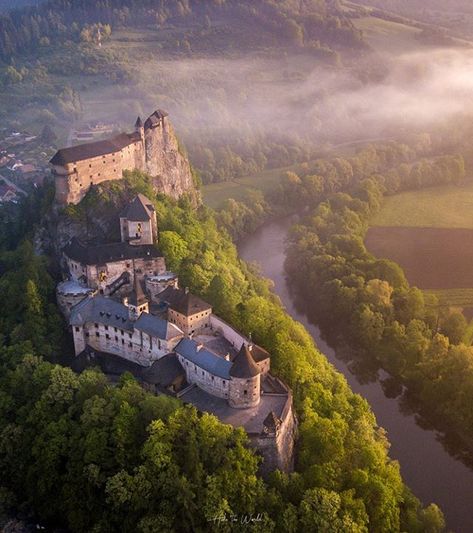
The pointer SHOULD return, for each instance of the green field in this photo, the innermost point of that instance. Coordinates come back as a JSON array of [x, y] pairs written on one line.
[[447, 206], [452, 297], [215, 194], [387, 36]]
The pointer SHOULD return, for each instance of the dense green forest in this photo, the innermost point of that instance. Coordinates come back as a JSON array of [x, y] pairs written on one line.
[[366, 302], [76, 452]]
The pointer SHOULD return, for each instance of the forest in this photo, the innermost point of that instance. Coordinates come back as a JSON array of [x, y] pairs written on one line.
[[78, 453], [367, 303]]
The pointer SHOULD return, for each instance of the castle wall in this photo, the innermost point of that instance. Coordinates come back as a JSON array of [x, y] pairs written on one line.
[[156, 286], [278, 448], [102, 276], [192, 323], [136, 346], [138, 232], [212, 384], [244, 393], [74, 179], [232, 335], [68, 296]]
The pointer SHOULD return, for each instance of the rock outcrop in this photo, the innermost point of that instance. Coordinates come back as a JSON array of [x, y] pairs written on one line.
[[152, 148]]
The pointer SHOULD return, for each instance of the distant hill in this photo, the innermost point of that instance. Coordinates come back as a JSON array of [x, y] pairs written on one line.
[[456, 15], [271, 23], [6, 5]]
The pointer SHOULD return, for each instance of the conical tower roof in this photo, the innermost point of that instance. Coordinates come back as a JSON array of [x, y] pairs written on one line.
[[244, 365], [271, 422], [138, 123], [137, 297]]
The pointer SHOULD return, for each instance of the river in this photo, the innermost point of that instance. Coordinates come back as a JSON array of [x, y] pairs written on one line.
[[426, 467]]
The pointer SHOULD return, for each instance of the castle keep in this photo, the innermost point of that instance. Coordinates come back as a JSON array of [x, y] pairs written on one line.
[[152, 148]]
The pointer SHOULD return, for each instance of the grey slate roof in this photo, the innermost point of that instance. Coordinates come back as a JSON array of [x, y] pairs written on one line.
[[137, 297], [140, 209], [204, 358], [164, 371], [102, 310], [108, 253], [183, 302], [244, 365], [93, 149], [157, 327], [153, 120], [111, 313]]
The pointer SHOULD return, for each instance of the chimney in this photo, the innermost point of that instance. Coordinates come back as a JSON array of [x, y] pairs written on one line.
[[227, 357]]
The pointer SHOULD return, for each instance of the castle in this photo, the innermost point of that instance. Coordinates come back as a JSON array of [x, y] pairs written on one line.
[[152, 148], [124, 308]]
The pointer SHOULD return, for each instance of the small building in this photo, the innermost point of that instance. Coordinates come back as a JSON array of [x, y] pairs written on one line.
[[138, 223], [189, 312]]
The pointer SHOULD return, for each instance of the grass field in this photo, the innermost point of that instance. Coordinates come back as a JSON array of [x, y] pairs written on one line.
[[429, 233], [387, 36], [436, 207]]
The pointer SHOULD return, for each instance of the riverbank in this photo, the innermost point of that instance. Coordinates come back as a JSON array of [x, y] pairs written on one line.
[[427, 468]]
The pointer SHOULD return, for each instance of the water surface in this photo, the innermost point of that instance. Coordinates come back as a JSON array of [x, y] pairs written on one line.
[[426, 467]]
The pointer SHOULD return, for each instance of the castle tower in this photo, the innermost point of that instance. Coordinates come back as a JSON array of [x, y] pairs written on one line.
[[138, 222], [245, 380], [137, 302], [139, 128]]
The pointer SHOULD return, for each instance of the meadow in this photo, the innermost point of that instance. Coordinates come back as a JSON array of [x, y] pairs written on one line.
[[430, 234], [435, 207]]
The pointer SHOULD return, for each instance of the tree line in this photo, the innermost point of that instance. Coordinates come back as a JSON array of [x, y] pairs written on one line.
[[367, 302]]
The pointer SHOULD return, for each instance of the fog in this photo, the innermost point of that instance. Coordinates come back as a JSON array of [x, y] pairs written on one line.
[[287, 96]]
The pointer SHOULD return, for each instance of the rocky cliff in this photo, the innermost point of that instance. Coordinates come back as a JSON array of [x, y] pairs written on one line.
[[152, 147], [166, 162], [95, 219]]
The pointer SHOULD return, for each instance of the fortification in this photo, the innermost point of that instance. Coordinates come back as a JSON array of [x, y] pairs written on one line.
[[152, 147]]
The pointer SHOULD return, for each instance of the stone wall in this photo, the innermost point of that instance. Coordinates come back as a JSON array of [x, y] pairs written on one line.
[[189, 324], [74, 179], [244, 393], [102, 276], [212, 384], [135, 345], [69, 294], [278, 449]]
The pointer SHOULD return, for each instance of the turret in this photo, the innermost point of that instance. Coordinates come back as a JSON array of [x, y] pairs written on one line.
[[139, 128], [245, 380], [137, 302]]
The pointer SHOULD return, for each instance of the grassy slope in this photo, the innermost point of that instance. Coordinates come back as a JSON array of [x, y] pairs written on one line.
[[437, 207], [387, 36]]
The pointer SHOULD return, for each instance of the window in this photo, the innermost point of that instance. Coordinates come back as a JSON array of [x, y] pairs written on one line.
[[106, 328], [123, 341], [129, 335], [77, 328], [245, 392], [107, 336], [116, 338], [97, 334], [129, 345], [224, 383]]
